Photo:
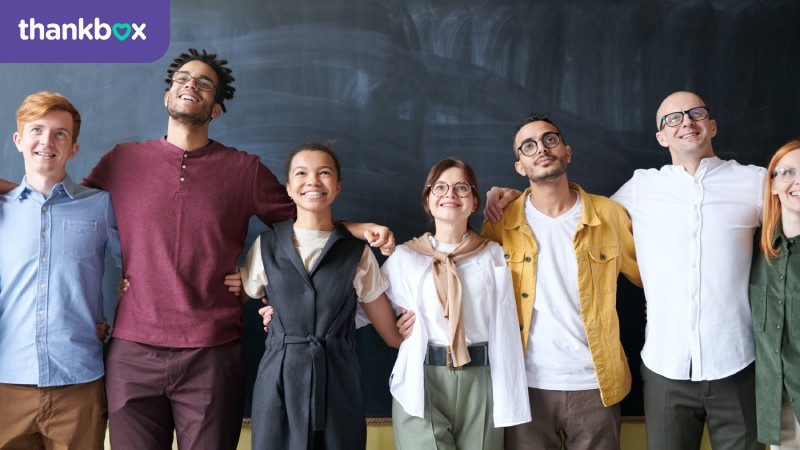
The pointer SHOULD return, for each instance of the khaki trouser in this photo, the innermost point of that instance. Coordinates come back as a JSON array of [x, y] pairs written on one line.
[[69, 417], [458, 413]]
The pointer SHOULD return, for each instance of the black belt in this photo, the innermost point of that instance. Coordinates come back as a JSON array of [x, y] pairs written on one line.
[[440, 356]]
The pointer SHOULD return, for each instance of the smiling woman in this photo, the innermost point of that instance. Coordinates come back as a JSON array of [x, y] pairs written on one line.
[[459, 287], [315, 274], [774, 298]]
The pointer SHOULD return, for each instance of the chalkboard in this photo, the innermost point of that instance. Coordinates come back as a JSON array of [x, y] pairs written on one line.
[[399, 84]]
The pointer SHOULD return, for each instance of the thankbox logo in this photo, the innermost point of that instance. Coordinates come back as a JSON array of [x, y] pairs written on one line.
[[84, 31], [31, 30]]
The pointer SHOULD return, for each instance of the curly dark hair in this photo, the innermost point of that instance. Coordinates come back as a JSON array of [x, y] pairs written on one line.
[[224, 90]]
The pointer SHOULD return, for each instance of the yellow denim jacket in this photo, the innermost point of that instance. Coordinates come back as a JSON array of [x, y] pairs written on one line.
[[604, 249]]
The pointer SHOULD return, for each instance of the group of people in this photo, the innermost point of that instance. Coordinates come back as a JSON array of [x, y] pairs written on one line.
[[508, 338]]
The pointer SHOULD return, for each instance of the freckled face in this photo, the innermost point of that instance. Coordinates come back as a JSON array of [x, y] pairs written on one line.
[[46, 144]]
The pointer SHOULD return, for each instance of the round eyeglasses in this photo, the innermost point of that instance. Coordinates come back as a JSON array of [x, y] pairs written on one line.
[[674, 119], [202, 83], [551, 139], [786, 174], [441, 188]]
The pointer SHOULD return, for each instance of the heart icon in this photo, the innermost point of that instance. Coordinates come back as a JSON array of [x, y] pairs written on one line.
[[121, 26]]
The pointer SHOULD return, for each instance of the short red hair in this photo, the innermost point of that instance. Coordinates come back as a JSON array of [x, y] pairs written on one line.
[[37, 105]]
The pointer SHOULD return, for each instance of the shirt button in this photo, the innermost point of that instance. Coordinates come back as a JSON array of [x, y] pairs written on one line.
[[181, 178], [183, 166], [41, 312], [40, 339], [185, 155], [44, 208], [506, 256], [781, 277], [43, 285], [779, 327], [44, 259], [527, 259], [524, 295]]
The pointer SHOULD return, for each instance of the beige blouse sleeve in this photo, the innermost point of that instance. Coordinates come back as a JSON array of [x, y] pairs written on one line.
[[254, 277], [369, 281]]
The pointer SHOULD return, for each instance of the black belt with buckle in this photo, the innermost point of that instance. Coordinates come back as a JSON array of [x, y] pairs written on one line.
[[440, 356]]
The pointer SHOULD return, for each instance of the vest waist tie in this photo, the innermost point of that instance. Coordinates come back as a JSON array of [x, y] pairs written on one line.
[[318, 347]]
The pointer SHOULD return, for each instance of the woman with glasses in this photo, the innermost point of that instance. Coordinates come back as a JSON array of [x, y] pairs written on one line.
[[775, 302], [460, 375], [308, 391]]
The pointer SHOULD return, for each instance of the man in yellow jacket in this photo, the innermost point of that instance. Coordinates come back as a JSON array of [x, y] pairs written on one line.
[[566, 249]]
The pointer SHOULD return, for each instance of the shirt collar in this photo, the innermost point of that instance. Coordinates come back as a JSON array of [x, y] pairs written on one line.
[[66, 185], [706, 164]]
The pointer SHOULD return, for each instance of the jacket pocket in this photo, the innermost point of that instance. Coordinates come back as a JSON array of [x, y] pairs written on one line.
[[79, 238], [603, 264], [516, 262]]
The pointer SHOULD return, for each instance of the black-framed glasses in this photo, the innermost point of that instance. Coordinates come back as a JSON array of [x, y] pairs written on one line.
[[551, 139], [202, 83], [441, 188], [674, 119], [786, 174]]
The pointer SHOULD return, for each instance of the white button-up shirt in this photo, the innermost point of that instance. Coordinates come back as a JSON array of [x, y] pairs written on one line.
[[694, 244]]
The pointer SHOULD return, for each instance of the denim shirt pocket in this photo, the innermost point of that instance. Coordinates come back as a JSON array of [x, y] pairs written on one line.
[[79, 238], [605, 271]]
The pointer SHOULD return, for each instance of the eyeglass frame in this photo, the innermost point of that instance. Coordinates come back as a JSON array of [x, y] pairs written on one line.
[[202, 78], [449, 186], [683, 116], [778, 172], [537, 149]]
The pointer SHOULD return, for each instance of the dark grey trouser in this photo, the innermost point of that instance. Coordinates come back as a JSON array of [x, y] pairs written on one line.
[[676, 411]]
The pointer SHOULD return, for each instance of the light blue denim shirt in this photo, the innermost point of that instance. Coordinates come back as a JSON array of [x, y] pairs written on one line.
[[52, 251]]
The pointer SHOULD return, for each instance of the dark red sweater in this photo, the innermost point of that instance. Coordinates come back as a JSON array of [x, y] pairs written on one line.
[[183, 220]]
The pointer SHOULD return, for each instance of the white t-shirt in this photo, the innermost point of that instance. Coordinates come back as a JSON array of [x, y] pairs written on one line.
[[558, 356]]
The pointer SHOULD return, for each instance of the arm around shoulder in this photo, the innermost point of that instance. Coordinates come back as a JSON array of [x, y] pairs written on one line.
[[6, 186]]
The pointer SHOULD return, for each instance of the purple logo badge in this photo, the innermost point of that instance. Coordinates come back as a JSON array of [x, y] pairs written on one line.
[[84, 31]]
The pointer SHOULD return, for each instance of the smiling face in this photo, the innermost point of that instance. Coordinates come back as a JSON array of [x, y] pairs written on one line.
[[548, 163], [46, 145], [690, 140], [788, 192], [450, 208], [312, 181], [187, 103]]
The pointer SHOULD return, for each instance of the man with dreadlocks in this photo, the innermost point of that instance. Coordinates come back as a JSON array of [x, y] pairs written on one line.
[[183, 203]]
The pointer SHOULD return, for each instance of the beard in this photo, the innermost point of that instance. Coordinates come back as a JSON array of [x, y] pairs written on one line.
[[550, 173], [193, 120]]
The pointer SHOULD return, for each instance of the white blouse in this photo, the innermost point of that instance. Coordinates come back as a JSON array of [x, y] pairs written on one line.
[[490, 315]]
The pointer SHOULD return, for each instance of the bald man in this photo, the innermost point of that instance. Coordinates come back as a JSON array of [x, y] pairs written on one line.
[[693, 225]]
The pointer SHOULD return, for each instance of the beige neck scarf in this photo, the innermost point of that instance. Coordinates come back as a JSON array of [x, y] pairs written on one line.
[[448, 286]]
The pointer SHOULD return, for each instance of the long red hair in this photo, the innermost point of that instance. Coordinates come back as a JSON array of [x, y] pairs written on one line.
[[772, 205]]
